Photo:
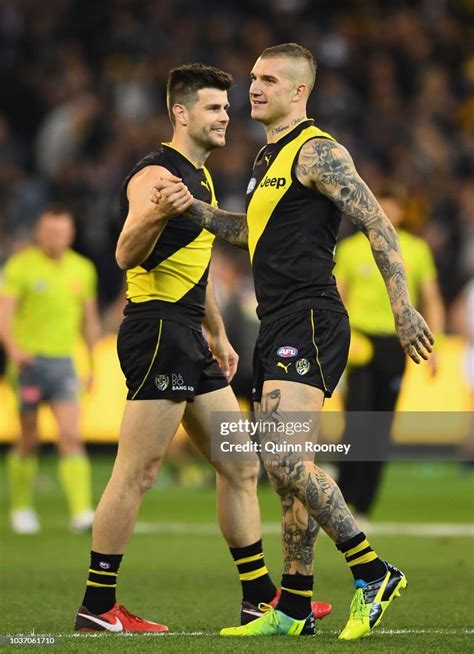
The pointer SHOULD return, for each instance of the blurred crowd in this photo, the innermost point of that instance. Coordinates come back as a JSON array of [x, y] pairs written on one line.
[[83, 98]]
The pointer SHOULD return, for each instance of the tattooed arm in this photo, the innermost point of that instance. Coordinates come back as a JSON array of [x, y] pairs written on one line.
[[232, 227], [328, 167]]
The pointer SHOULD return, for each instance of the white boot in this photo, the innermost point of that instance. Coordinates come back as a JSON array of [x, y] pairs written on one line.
[[24, 521]]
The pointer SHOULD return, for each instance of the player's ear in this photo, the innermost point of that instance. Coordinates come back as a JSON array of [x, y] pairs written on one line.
[[300, 92], [180, 114]]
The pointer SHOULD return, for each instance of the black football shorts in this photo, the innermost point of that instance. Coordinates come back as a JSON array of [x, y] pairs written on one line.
[[163, 359], [308, 346]]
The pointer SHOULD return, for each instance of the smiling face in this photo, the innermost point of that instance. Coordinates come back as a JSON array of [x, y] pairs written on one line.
[[279, 87], [207, 118]]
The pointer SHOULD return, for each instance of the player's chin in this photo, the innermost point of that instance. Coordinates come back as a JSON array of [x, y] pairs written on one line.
[[217, 139], [258, 112]]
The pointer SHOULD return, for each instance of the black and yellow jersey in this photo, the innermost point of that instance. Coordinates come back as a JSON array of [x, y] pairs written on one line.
[[292, 231], [172, 281]]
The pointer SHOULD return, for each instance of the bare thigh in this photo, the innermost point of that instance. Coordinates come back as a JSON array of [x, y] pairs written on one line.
[[147, 428], [199, 426]]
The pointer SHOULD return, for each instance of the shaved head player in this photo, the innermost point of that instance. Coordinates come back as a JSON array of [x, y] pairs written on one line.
[[302, 181]]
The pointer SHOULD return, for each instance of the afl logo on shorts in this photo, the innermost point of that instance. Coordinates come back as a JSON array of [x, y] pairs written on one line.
[[287, 352], [302, 366], [162, 382], [252, 185]]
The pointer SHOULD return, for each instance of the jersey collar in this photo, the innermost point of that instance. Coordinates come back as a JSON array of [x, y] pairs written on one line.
[[172, 147], [293, 133]]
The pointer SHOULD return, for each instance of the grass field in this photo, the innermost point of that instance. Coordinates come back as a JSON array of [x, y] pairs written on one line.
[[177, 570]]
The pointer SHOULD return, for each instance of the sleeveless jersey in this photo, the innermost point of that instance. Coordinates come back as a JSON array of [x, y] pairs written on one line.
[[172, 281], [292, 231]]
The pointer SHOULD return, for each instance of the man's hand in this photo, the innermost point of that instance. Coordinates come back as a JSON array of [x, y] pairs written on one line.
[[169, 198], [19, 357], [414, 334], [225, 355], [146, 219]]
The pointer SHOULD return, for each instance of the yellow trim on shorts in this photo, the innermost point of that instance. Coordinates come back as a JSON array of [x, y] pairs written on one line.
[[152, 361], [317, 351]]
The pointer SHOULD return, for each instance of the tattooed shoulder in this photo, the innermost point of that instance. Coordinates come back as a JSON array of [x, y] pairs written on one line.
[[321, 160]]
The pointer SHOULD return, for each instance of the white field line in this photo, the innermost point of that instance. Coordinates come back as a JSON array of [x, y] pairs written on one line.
[[269, 528], [322, 632]]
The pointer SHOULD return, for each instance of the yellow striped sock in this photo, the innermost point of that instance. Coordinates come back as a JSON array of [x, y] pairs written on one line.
[[254, 574]]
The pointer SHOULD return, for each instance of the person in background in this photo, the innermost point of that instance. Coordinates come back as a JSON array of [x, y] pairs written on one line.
[[376, 359], [47, 301], [462, 322]]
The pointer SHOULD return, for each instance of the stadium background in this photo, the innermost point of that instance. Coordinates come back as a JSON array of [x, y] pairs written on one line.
[[83, 98]]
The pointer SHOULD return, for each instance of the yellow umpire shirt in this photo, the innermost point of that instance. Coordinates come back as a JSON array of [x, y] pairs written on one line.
[[51, 296], [366, 297]]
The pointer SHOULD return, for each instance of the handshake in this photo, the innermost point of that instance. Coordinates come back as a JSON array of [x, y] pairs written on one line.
[[169, 196]]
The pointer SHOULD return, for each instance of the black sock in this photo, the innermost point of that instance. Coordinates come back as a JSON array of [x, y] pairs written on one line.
[[256, 583], [296, 594], [361, 558], [102, 582]]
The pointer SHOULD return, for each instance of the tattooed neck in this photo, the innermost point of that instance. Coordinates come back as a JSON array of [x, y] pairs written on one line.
[[276, 131]]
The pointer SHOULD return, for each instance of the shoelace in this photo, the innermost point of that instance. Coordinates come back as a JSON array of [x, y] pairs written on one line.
[[268, 608], [130, 615], [358, 605]]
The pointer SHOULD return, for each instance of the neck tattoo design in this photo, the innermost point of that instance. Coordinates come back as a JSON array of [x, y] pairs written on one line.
[[282, 128]]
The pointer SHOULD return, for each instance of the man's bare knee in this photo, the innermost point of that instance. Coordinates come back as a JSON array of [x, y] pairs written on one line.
[[137, 476], [287, 476], [239, 474]]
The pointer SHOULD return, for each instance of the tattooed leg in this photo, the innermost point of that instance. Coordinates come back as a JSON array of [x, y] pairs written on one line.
[[299, 529], [296, 479]]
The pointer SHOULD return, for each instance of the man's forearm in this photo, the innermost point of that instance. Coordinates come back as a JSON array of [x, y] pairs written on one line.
[[388, 257], [231, 227], [212, 321]]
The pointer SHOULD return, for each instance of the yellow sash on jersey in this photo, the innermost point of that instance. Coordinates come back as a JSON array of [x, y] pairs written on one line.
[[175, 276], [274, 185]]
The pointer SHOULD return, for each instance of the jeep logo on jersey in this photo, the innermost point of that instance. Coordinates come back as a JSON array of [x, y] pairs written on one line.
[[276, 182], [287, 352]]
